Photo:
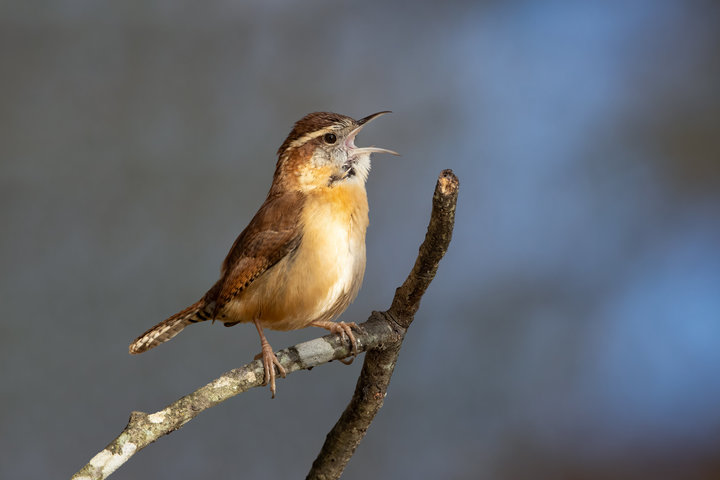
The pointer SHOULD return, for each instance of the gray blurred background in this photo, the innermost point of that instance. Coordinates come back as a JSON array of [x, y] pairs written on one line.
[[572, 331]]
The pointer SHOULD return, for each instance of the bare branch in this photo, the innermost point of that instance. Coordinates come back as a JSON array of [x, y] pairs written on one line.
[[379, 364], [381, 337], [143, 428], [437, 239]]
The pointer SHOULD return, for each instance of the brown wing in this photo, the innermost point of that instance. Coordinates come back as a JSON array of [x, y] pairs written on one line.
[[273, 233]]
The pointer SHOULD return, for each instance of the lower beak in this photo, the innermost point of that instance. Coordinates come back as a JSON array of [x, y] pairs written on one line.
[[350, 141], [374, 150]]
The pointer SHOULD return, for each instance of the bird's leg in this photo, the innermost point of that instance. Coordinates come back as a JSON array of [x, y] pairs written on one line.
[[344, 329], [269, 359]]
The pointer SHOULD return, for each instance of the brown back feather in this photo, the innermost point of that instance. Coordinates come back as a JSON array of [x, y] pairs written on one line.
[[272, 234]]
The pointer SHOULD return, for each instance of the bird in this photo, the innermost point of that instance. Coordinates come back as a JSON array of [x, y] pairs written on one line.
[[300, 261]]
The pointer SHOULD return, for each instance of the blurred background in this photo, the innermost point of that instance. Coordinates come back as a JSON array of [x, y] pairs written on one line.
[[572, 331]]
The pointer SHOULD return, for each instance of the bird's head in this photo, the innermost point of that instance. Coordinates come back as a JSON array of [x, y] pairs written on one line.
[[320, 151]]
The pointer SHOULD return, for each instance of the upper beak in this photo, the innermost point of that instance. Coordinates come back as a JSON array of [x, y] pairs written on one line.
[[350, 141], [372, 117]]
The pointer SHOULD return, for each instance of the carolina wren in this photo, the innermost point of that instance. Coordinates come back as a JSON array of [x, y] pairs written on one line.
[[301, 260]]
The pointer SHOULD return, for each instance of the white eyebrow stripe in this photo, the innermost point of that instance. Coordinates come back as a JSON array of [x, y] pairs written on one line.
[[309, 136]]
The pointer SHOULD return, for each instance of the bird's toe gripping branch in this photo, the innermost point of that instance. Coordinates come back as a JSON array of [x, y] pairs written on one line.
[[270, 361], [344, 329]]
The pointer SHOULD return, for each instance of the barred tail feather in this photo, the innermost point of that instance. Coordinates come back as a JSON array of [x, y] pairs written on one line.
[[167, 329]]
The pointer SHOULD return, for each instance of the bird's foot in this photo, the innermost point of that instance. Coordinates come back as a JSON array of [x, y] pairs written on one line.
[[345, 330], [270, 361]]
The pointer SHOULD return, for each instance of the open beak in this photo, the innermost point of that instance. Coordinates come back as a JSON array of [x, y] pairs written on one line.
[[350, 141]]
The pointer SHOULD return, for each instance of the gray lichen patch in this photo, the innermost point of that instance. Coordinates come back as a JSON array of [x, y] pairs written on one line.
[[107, 462], [314, 352], [157, 417]]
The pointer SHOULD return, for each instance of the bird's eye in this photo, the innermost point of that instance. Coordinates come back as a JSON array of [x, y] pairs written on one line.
[[330, 138]]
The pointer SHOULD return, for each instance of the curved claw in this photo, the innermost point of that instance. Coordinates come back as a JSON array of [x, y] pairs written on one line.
[[270, 361]]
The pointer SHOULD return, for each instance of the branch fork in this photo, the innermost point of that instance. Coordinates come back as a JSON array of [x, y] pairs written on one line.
[[381, 337]]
